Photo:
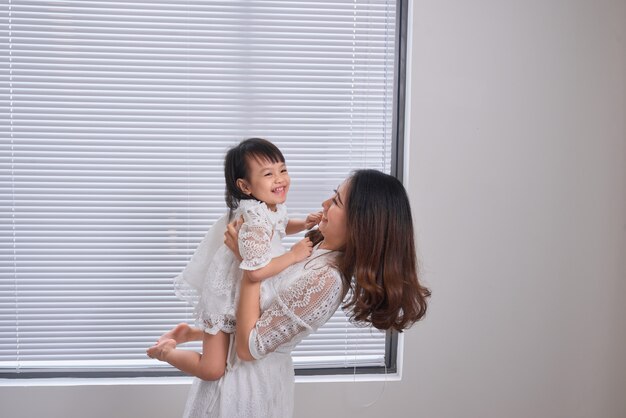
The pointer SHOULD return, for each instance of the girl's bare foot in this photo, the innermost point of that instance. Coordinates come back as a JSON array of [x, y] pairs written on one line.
[[160, 349], [180, 333]]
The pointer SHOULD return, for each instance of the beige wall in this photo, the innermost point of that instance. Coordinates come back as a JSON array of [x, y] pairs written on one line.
[[517, 173]]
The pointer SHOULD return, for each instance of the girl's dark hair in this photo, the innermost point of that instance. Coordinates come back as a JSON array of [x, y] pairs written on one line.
[[380, 253], [236, 165]]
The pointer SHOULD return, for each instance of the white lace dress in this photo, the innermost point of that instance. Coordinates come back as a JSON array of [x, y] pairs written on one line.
[[210, 281], [299, 300]]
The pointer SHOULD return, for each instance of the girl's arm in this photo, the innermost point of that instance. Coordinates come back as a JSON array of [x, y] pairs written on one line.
[[298, 225], [255, 247], [294, 226], [280, 263]]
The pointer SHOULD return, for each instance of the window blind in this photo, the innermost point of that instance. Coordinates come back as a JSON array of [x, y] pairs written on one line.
[[115, 119]]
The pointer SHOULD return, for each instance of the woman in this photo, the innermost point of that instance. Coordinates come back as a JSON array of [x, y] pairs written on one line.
[[366, 246]]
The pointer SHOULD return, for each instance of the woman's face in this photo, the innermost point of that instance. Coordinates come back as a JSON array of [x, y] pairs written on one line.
[[334, 219]]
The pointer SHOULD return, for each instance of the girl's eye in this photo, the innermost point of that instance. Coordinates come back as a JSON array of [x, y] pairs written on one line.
[[334, 200], [268, 174], [284, 170]]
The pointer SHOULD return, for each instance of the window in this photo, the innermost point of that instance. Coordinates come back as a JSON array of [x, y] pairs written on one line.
[[115, 120]]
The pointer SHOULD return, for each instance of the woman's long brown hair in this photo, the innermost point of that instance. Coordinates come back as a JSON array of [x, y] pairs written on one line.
[[380, 254]]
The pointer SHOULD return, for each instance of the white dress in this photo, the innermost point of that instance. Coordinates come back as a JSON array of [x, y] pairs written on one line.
[[299, 300], [210, 281]]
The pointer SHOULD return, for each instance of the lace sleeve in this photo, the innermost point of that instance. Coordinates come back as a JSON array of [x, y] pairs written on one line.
[[297, 311], [255, 239]]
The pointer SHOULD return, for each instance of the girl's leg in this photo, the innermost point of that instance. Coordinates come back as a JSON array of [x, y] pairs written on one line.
[[182, 333], [210, 365]]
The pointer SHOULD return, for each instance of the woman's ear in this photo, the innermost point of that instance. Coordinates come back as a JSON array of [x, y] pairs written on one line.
[[244, 186]]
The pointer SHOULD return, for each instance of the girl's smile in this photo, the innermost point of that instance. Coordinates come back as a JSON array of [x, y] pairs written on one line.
[[267, 182]]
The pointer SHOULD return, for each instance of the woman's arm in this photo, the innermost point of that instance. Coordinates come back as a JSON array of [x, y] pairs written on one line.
[[248, 313], [249, 309], [298, 310]]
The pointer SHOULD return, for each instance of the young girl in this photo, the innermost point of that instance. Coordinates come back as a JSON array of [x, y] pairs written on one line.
[[257, 183]]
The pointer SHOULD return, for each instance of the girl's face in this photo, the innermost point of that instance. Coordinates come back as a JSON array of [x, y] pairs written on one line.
[[267, 182], [334, 219]]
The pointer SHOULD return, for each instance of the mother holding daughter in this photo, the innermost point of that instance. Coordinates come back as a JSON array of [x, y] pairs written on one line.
[[363, 255]]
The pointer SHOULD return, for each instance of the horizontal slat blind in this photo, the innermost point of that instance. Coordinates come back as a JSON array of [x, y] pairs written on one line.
[[115, 119]]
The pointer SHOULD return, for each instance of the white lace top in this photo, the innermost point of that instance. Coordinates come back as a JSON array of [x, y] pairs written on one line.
[[299, 300], [210, 281], [300, 307], [261, 231]]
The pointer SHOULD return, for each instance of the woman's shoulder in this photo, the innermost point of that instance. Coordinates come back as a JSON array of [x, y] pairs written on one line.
[[312, 285], [321, 265]]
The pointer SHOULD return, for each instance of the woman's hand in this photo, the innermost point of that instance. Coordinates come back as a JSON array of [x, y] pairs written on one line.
[[302, 249], [231, 237]]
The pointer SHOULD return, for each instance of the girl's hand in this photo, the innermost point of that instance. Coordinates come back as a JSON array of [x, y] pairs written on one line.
[[302, 249], [231, 237], [312, 219]]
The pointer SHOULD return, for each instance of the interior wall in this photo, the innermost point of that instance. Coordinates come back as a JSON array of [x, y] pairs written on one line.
[[518, 160], [517, 175]]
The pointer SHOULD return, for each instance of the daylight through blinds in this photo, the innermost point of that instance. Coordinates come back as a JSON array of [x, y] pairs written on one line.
[[114, 124]]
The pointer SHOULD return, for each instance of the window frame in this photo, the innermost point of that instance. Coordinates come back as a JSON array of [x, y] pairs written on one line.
[[397, 168]]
